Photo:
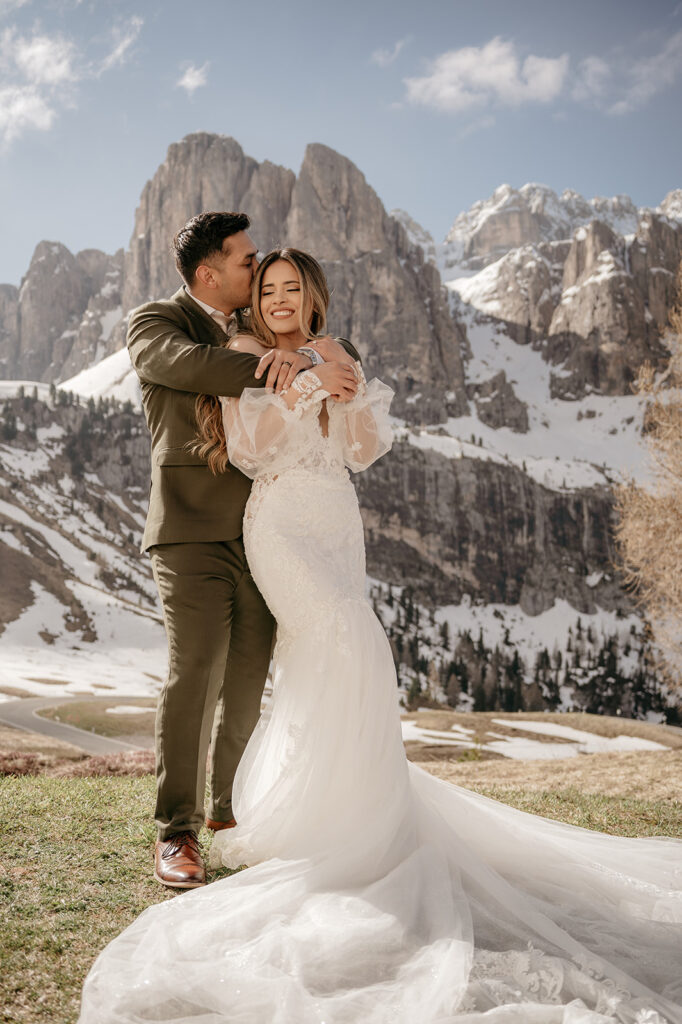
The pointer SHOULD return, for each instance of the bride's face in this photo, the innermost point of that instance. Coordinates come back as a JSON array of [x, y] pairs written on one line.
[[280, 298]]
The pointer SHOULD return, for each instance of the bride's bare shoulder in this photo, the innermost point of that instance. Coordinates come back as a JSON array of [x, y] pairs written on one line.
[[247, 343]]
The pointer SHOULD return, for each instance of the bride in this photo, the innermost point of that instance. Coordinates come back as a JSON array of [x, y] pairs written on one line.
[[375, 893]]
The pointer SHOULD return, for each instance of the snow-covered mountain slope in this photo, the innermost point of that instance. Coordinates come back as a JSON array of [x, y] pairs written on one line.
[[561, 300], [111, 377], [78, 604], [592, 441]]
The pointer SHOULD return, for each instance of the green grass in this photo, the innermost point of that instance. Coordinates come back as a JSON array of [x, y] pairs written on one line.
[[77, 868], [619, 816]]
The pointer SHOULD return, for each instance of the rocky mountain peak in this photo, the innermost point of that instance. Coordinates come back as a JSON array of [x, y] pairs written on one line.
[[671, 206], [65, 309], [385, 299], [534, 213], [334, 212], [202, 172], [416, 234]]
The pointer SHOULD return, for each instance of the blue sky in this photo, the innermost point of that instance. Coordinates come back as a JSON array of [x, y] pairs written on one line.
[[437, 102]]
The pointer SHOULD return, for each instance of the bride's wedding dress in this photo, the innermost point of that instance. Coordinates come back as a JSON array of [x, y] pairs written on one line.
[[376, 893]]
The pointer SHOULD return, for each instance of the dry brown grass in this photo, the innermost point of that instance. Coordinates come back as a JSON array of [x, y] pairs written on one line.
[[15, 691], [93, 716], [649, 530], [16, 741], [643, 775], [134, 763]]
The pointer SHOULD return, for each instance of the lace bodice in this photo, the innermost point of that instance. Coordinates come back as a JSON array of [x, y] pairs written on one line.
[[265, 438]]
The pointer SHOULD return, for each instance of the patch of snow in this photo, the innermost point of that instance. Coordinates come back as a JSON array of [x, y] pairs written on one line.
[[128, 709], [109, 320], [412, 732], [586, 742]]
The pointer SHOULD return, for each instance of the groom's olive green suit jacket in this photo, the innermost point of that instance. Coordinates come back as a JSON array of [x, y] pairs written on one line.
[[178, 352]]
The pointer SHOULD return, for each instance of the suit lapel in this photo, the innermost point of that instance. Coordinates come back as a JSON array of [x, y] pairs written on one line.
[[207, 331]]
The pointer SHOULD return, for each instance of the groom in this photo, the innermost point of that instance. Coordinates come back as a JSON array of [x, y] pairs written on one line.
[[219, 629]]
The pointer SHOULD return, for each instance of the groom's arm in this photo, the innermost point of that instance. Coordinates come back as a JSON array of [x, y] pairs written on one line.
[[163, 354], [350, 349]]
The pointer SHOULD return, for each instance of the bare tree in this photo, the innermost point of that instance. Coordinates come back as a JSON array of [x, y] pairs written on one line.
[[649, 531]]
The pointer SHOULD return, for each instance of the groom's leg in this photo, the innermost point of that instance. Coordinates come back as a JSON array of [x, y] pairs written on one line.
[[196, 583], [238, 710]]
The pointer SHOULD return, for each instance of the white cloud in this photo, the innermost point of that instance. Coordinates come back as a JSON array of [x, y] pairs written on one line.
[[39, 74], [648, 76], [22, 108], [123, 40], [475, 76], [384, 57], [481, 125], [42, 60], [620, 83], [193, 78], [592, 79], [7, 6]]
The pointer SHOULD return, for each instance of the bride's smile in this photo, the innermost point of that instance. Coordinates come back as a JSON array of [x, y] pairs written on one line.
[[280, 302]]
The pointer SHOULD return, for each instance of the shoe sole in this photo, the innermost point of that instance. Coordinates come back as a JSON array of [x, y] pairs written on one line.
[[178, 885]]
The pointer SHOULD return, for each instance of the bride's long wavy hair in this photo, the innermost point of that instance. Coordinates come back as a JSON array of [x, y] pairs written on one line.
[[210, 441]]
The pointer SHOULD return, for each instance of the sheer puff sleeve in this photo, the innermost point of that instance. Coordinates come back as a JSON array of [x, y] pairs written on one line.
[[263, 433], [364, 424]]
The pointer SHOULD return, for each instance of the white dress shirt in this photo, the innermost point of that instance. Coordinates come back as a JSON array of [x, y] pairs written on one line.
[[222, 319]]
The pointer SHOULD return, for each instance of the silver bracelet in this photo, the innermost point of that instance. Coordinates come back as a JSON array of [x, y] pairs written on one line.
[[314, 356], [307, 382]]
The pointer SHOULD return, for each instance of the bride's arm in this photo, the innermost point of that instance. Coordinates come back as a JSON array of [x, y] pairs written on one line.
[[364, 422], [259, 426]]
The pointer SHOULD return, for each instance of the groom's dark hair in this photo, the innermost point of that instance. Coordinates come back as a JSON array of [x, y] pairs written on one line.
[[201, 237]]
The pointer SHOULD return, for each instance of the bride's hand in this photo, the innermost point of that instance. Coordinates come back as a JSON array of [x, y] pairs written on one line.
[[282, 367], [339, 379]]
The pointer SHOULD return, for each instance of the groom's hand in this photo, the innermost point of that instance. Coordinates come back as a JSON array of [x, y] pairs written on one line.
[[282, 367]]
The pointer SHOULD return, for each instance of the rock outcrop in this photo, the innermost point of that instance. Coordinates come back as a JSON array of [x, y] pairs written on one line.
[[450, 527], [595, 304], [60, 320], [603, 328], [202, 172], [386, 298], [497, 404], [512, 218], [9, 329]]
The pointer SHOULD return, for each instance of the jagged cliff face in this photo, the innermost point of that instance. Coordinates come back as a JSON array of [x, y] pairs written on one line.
[[386, 299], [69, 311], [60, 320], [534, 213], [453, 527], [203, 172], [9, 329], [595, 302], [603, 329]]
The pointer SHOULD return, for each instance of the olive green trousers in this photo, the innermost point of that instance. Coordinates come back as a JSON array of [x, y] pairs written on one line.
[[220, 635]]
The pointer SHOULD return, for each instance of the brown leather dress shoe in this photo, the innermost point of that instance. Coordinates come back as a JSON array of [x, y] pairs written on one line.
[[178, 863], [218, 826]]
